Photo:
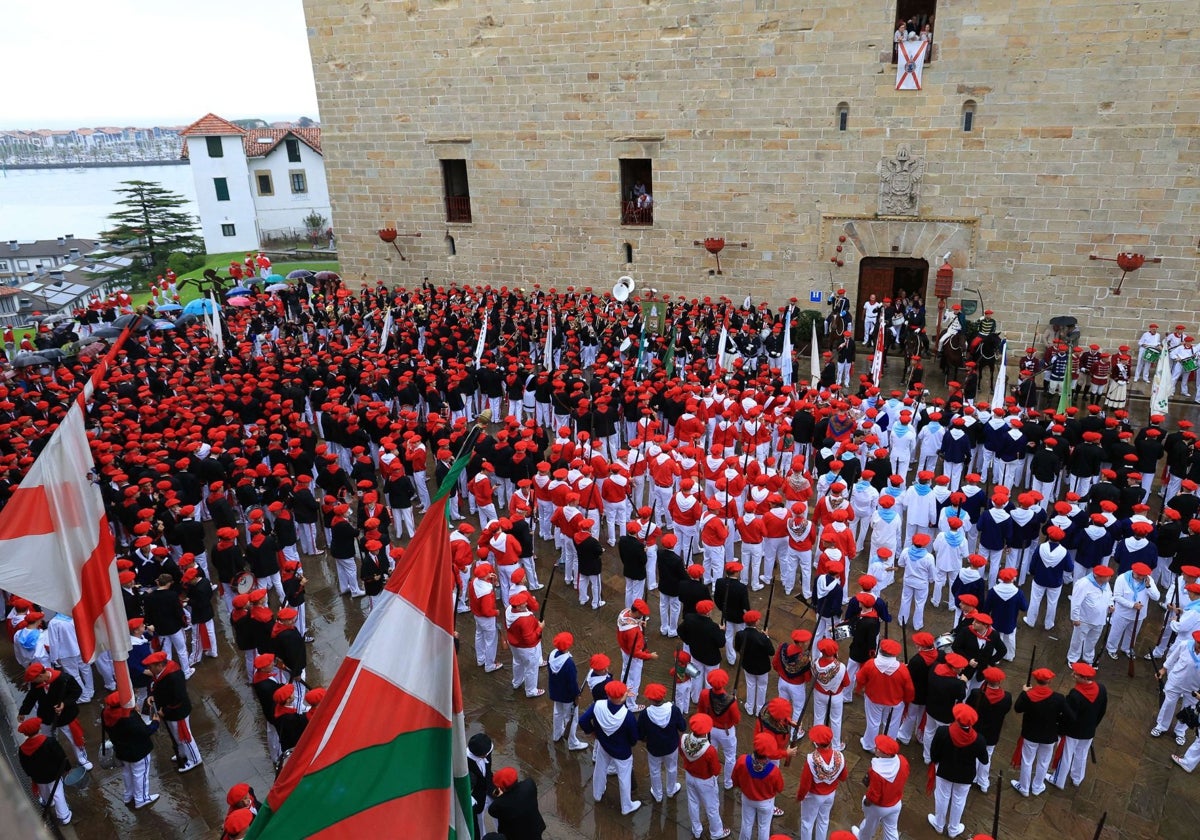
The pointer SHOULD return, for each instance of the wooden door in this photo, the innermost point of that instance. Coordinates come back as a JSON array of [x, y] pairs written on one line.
[[872, 280]]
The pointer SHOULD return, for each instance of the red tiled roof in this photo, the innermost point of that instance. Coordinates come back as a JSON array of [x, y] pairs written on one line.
[[310, 137], [212, 126]]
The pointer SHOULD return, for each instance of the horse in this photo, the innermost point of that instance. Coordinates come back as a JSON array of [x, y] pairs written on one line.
[[915, 343], [987, 355], [953, 356], [837, 326]]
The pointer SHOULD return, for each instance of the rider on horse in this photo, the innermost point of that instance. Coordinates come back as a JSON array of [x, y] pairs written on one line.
[[984, 327], [839, 306], [953, 323]]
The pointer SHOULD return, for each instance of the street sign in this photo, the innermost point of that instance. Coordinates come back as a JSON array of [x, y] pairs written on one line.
[[969, 306], [814, 297]]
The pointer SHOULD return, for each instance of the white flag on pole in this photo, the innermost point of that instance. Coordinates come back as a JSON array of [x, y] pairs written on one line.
[[785, 364], [1001, 375], [815, 366], [482, 339], [877, 358], [548, 351], [721, 355], [1162, 386], [386, 330]]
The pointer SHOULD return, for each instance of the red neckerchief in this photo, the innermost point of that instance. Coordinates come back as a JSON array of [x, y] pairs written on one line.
[[984, 635], [1089, 690], [944, 670], [279, 628], [112, 717], [259, 676], [929, 656], [238, 615], [993, 695], [257, 540], [172, 667], [1039, 693], [962, 737], [31, 745], [262, 614]]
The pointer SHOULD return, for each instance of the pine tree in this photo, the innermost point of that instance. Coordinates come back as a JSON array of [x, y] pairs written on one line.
[[149, 226]]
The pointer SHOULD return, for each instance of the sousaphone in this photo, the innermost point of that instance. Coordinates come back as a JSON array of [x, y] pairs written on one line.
[[624, 288]]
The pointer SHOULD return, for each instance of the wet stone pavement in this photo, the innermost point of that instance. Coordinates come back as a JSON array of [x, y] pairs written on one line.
[[1144, 793]]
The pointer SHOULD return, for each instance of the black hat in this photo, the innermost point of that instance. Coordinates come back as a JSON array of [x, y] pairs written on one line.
[[480, 745]]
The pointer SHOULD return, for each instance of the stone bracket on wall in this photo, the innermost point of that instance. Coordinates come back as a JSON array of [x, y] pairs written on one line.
[[920, 237]]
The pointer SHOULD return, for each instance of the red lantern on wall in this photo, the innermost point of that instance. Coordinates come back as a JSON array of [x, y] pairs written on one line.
[[943, 284]]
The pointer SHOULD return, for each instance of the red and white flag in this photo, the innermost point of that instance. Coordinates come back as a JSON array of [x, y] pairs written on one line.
[[56, 548], [910, 61], [877, 356]]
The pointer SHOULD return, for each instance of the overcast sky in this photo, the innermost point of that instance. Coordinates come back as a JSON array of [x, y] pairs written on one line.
[[72, 63]]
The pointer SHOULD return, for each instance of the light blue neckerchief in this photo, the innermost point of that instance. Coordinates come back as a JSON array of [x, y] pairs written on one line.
[[954, 538]]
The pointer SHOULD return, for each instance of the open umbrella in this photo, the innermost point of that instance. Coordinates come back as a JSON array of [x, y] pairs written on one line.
[[163, 324], [299, 274], [238, 290], [126, 320], [168, 307], [273, 278], [278, 287], [52, 353], [186, 321], [199, 306], [107, 332], [327, 275], [239, 301], [25, 360]]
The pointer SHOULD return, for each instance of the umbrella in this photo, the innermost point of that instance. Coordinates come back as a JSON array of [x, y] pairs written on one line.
[[278, 287], [52, 353], [239, 301], [274, 278], [126, 320], [25, 360], [186, 321], [168, 307], [106, 332], [163, 324], [327, 275], [199, 306], [238, 290], [299, 274]]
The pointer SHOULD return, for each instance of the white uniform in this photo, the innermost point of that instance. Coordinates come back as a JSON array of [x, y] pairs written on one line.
[[1089, 606], [1126, 594]]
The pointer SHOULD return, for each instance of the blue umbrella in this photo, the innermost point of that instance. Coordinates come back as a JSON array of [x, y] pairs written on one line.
[[168, 307], [274, 278], [199, 306], [238, 290]]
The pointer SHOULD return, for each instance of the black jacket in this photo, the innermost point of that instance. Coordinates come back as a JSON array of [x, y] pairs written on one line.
[[200, 600], [1083, 715], [170, 693], [162, 609], [943, 693], [703, 638], [691, 593], [956, 764], [45, 764], [62, 689], [991, 715], [516, 812], [589, 552], [1042, 721], [671, 572], [986, 654], [756, 649], [632, 552], [732, 598], [130, 737]]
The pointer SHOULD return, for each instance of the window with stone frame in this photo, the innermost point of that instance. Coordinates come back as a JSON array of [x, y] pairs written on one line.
[[916, 16]]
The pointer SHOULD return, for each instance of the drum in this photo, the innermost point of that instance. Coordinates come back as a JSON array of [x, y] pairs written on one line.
[[1151, 354], [243, 583], [840, 632], [1189, 364], [944, 642]]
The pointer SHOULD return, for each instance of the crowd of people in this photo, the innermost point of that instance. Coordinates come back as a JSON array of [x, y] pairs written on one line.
[[308, 427]]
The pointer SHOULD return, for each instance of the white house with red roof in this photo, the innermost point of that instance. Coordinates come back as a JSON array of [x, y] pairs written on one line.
[[252, 181]]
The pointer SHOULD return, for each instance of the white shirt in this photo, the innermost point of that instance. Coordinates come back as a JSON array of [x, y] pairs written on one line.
[[1089, 602]]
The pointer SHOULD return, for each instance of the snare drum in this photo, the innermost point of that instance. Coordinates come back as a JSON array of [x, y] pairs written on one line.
[[944, 642], [1151, 354], [243, 583], [1189, 364]]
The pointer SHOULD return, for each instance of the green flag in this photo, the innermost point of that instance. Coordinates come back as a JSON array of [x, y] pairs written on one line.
[[1064, 399], [669, 356]]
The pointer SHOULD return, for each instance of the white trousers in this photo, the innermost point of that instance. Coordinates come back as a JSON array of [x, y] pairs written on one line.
[[347, 575], [1035, 761], [1192, 757], [1036, 594], [1121, 632], [631, 673], [876, 816], [877, 717], [58, 793], [756, 692], [814, 815], [756, 814], [589, 582], [797, 695], [182, 731], [982, 770], [566, 722], [1083, 642], [1166, 713], [912, 716], [136, 775], [704, 793], [1073, 763], [668, 614], [725, 740], [912, 603], [624, 768], [831, 704], [176, 645], [634, 589], [949, 801], [82, 672], [485, 640], [660, 765], [525, 668]]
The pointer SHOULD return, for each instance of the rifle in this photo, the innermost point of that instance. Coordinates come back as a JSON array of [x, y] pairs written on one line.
[[1100, 826], [1032, 659], [546, 600], [770, 598], [1162, 687], [633, 654], [737, 675], [1132, 640], [996, 812], [904, 637], [675, 676]]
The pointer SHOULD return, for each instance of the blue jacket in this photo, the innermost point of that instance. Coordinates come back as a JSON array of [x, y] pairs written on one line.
[[661, 740], [994, 532], [973, 506], [956, 450], [854, 609], [829, 606], [1025, 535], [1004, 611], [1050, 577], [619, 744], [978, 587], [1090, 551], [1125, 557], [563, 684]]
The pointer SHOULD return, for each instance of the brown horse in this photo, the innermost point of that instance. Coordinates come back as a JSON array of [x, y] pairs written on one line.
[[953, 356], [837, 326]]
